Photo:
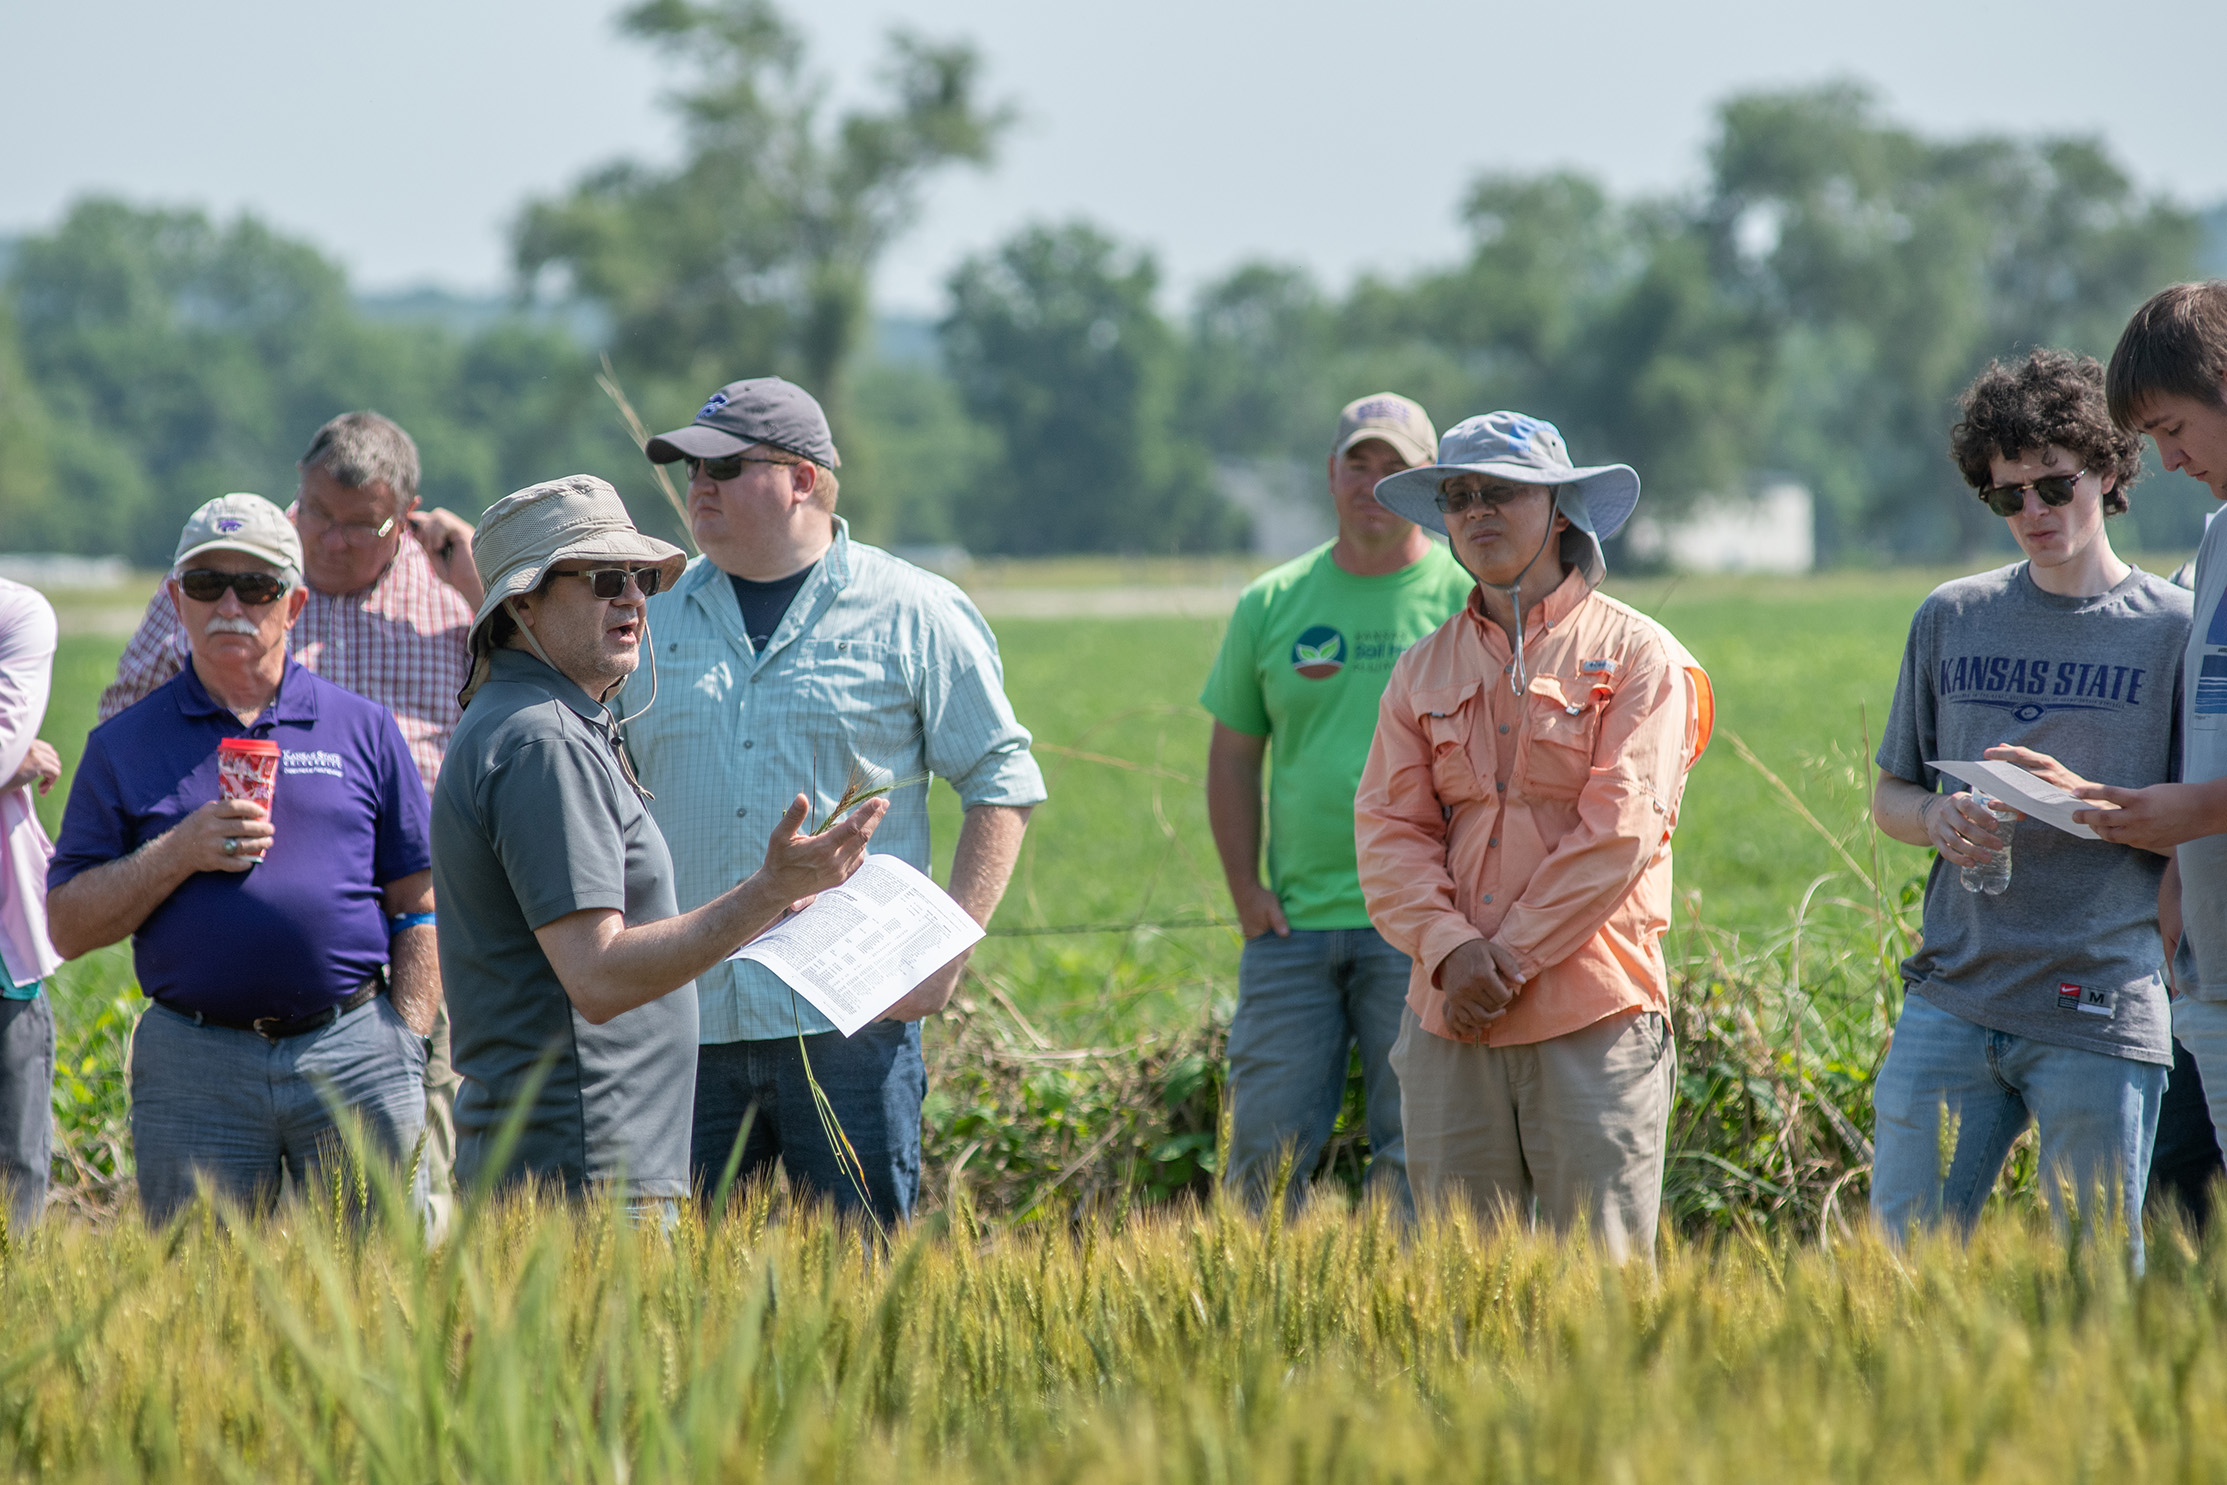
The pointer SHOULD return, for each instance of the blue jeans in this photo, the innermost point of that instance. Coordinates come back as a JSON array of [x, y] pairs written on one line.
[[2097, 1118], [875, 1081], [26, 1104], [1303, 1004], [237, 1110]]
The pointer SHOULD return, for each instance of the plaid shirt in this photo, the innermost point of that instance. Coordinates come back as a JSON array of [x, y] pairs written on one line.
[[399, 642], [876, 664]]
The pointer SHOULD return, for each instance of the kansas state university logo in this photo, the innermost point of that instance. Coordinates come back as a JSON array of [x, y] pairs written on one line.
[[1319, 653]]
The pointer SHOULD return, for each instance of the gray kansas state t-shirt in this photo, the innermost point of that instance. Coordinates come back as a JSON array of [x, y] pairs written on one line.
[[2070, 954], [533, 819]]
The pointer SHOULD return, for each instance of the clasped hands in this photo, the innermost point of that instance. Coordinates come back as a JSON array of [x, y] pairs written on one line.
[[1480, 980]]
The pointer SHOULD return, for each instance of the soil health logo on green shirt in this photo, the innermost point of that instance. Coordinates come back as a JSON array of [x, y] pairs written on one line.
[[1304, 664], [1319, 653]]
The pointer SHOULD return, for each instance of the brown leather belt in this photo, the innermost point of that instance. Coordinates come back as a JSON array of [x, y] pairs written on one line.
[[278, 1028]]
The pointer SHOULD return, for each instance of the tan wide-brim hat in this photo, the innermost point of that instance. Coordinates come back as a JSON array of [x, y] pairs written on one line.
[[565, 520]]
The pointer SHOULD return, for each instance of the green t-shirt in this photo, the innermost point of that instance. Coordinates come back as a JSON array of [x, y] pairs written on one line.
[[1304, 665]]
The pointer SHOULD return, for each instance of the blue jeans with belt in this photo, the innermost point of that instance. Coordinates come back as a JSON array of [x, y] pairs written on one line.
[[238, 1111], [1304, 1003]]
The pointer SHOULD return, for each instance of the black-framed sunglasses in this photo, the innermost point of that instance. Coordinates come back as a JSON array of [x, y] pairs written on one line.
[[727, 466], [1454, 502], [2054, 489], [207, 585], [610, 582]]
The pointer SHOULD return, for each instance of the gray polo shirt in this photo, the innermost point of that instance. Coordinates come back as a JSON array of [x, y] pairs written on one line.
[[2069, 955], [533, 818]]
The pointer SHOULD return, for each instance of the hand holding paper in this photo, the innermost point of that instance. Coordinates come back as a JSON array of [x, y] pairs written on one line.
[[2031, 795], [859, 948]]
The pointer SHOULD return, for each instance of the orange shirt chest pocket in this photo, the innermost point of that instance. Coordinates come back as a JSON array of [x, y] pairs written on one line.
[[1448, 718], [1562, 721]]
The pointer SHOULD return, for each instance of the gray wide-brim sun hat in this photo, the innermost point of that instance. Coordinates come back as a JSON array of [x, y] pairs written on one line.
[[1597, 498], [565, 520]]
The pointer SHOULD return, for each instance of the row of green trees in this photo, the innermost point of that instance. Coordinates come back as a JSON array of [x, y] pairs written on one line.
[[1811, 307]]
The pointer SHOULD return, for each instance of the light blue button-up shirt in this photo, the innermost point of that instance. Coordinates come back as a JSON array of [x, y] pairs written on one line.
[[877, 665]]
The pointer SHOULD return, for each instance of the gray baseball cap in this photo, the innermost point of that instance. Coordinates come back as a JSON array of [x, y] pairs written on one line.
[[764, 409], [242, 523]]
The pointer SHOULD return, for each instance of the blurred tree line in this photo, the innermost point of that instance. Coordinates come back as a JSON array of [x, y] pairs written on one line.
[[1811, 308]]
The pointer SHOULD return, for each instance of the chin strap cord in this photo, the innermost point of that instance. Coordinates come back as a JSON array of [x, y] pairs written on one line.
[[618, 745], [1513, 592]]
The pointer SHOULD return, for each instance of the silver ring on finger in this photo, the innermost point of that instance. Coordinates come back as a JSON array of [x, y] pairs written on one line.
[[231, 845]]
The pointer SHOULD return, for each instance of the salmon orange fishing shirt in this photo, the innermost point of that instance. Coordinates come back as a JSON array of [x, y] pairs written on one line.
[[1541, 821]]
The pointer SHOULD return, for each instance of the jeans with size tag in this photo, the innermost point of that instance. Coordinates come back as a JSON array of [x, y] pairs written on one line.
[[237, 1111], [874, 1081], [1304, 1004], [2096, 1117]]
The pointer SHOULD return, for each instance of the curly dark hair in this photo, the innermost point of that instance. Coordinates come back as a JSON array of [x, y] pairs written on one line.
[[2053, 397]]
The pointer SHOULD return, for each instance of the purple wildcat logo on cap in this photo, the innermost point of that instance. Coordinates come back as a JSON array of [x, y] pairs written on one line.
[[229, 524], [718, 401]]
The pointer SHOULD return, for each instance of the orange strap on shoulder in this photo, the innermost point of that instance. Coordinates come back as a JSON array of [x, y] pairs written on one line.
[[1701, 713]]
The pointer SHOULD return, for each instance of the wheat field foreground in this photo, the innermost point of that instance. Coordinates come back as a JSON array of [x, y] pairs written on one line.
[[555, 1343]]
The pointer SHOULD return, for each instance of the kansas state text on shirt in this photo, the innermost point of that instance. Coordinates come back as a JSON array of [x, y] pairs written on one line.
[[2028, 686]]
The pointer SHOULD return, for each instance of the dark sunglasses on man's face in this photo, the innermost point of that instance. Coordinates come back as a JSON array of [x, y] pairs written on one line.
[[1454, 502], [727, 467], [609, 582], [207, 585], [2054, 489]]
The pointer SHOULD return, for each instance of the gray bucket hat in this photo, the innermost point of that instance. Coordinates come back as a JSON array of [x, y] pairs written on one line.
[[525, 533], [1597, 498]]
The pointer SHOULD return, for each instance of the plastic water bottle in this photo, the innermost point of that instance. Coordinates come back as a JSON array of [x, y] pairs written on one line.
[[1992, 875]]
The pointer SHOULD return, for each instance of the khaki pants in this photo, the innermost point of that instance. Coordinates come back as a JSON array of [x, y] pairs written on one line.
[[1567, 1129], [441, 1087]]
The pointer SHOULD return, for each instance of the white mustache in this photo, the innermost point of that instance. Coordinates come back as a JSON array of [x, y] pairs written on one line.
[[220, 624]]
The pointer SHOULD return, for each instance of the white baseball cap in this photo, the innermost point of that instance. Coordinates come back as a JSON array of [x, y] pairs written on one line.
[[242, 523]]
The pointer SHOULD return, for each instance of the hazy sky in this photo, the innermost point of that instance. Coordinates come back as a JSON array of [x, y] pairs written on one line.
[[402, 135]]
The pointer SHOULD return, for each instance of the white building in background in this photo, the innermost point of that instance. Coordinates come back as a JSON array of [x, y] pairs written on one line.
[[1775, 530], [58, 571], [1287, 502]]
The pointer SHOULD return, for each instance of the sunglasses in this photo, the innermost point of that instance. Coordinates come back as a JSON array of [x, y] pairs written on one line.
[[2009, 500], [728, 466], [1454, 502], [610, 582], [207, 585]]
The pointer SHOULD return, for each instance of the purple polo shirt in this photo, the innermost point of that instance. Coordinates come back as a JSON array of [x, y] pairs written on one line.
[[308, 925]]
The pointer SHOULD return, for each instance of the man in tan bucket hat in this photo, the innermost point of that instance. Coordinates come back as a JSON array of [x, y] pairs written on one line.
[[567, 966]]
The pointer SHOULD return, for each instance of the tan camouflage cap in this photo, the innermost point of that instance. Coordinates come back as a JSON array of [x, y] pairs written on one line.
[[1399, 421]]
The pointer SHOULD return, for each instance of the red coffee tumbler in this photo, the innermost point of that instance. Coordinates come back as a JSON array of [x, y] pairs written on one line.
[[247, 768]]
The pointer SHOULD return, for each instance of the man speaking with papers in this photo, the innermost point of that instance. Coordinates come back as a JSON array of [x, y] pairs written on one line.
[[567, 964], [2040, 999]]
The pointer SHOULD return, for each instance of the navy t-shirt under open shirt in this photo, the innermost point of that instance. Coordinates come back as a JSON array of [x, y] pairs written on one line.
[[763, 604]]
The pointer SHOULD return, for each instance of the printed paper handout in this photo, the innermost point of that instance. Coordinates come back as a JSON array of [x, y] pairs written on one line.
[[859, 948], [2027, 793]]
